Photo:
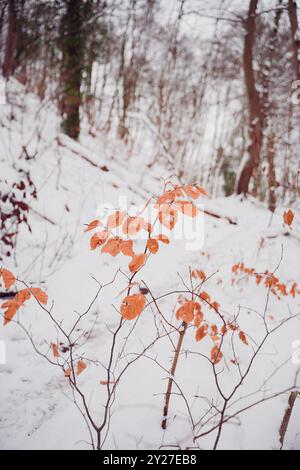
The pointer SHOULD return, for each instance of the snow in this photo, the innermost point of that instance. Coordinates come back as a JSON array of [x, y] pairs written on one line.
[[36, 407]]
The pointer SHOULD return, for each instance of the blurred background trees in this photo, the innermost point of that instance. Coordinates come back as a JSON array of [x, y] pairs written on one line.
[[205, 90]]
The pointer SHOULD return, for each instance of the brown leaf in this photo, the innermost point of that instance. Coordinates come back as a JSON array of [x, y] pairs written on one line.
[[8, 278], [98, 239], [288, 217], [10, 312], [92, 225], [116, 219], [205, 296], [201, 333], [187, 312], [137, 262], [167, 197], [133, 225], [216, 355], [193, 192], [132, 306], [22, 296], [80, 367], [152, 245], [54, 349], [168, 216], [243, 338], [105, 382], [112, 247], [127, 248], [163, 239], [201, 190], [187, 208], [199, 274], [40, 295]]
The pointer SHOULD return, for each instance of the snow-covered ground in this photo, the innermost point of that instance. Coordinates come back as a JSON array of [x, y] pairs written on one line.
[[74, 181]]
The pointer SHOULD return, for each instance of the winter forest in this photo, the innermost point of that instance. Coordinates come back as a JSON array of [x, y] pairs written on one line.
[[150, 225]]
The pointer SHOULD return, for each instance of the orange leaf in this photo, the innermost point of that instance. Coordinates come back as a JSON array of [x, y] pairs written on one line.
[[133, 225], [201, 190], [152, 245], [224, 329], [10, 313], [68, 372], [235, 268], [112, 247], [80, 367], [187, 208], [40, 295], [204, 296], [200, 274], [105, 382], [294, 290], [167, 197], [92, 225], [127, 248], [201, 333], [168, 216], [215, 306], [116, 219], [193, 191], [132, 306], [10, 303], [137, 262], [54, 349], [178, 191], [214, 330], [8, 278], [216, 355], [13, 305], [163, 239], [22, 296], [187, 312], [98, 239], [147, 226], [198, 318], [243, 338], [288, 217]]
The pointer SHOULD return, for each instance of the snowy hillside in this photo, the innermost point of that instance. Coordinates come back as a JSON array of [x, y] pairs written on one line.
[[74, 181]]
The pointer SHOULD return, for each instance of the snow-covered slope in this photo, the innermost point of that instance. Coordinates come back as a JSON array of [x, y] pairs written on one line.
[[74, 182]]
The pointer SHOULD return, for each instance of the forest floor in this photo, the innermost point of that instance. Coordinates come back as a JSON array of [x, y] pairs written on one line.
[[73, 181]]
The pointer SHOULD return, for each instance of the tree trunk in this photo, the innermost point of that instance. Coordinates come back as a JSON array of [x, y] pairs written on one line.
[[255, 115], [292, 8], [287, 416], [272, 172], [72, 67], [8, 61], [268, 113]]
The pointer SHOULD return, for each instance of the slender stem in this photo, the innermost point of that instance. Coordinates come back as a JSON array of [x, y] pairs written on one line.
[[172, 373]]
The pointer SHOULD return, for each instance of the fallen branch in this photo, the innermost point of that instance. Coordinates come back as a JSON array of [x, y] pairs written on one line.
[[218, 216]]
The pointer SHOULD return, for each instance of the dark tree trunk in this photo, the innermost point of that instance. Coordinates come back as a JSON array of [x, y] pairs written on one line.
[[255, 114], [268, 112], [8, 60], [272, 173], [292, 7], [72, 67]]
